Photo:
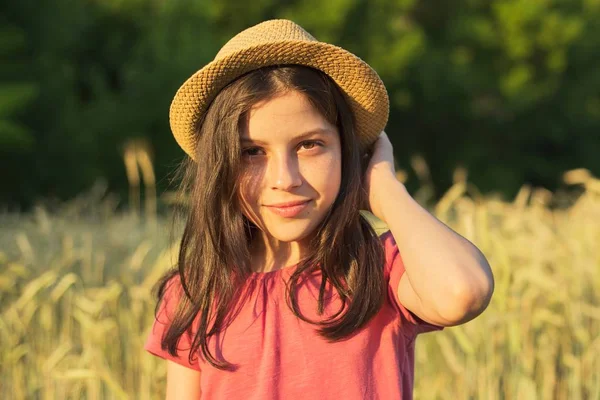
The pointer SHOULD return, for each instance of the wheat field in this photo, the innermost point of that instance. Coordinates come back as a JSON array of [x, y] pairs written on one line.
[[76, 304]]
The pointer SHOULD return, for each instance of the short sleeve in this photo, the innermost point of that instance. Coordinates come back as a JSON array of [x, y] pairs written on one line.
[[162, 320], [394, 269]]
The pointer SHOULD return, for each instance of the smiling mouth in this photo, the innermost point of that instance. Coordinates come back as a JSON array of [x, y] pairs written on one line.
[[289, 210]]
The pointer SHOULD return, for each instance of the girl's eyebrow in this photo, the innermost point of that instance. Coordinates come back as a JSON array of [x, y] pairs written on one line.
[[312, 132]]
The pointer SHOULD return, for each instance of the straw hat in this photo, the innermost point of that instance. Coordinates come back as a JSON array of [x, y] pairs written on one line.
[[280, 42]]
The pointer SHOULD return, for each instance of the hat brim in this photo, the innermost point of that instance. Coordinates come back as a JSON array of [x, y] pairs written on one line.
[[362, 87]]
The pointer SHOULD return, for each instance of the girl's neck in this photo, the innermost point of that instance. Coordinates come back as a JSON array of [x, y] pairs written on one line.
[[269, 254]]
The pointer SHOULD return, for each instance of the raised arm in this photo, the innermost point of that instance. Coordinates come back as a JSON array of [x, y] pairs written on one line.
[[448, 281]]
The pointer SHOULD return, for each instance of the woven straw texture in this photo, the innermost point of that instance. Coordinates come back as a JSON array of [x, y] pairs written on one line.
[[279, 42]]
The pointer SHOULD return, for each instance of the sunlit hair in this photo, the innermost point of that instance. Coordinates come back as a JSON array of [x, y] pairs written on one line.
[[214, 255]]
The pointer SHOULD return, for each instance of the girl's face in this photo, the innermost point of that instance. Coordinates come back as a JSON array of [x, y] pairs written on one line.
[[291, 173]]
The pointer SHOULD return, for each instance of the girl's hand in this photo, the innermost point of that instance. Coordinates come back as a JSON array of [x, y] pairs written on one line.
[[380, 173]]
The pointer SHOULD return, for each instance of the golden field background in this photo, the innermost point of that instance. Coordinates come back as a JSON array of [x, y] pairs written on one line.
[[76, 303]]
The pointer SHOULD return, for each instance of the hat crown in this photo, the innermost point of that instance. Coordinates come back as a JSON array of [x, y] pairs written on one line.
[[275, 30]]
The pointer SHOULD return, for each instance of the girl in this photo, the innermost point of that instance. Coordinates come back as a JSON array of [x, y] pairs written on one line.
[[282, 289]]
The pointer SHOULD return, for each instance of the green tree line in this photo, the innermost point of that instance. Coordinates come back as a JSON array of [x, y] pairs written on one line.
[[508, 89]]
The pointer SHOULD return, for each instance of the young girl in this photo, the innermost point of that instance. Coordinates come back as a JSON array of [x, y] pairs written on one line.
[[283, 290]]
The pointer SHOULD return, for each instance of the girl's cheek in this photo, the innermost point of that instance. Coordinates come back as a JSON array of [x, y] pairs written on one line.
[[250, 182], [320, 167], [248, 198]]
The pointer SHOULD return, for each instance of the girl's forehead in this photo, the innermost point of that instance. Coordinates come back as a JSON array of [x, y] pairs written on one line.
[[284, 117]]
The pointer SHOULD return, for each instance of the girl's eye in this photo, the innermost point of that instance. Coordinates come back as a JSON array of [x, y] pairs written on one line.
[[251, 151], [310, 144]]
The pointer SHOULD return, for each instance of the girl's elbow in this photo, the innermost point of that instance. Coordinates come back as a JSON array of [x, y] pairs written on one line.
[[468, 302]]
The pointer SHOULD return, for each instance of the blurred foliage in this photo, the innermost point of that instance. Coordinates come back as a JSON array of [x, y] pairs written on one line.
[[507, 89]]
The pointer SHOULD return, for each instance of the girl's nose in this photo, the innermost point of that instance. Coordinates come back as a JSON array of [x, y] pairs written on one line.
[[284, 173]]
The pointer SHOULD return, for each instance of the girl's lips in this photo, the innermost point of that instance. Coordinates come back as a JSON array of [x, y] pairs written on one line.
[[289, 211]]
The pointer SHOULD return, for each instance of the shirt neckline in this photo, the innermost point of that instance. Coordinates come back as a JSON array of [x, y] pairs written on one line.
[[275, 272]]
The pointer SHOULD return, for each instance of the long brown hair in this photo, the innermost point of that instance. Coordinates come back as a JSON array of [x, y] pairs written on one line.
[[214, 255]]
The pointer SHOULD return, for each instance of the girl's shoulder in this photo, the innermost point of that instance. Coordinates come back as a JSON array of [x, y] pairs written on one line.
[[393, 272]]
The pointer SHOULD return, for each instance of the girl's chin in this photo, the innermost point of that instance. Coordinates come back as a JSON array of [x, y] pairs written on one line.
[[289, 237], [291, 233]]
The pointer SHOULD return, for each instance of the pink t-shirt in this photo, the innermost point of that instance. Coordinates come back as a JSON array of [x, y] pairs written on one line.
[[282, 357]]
